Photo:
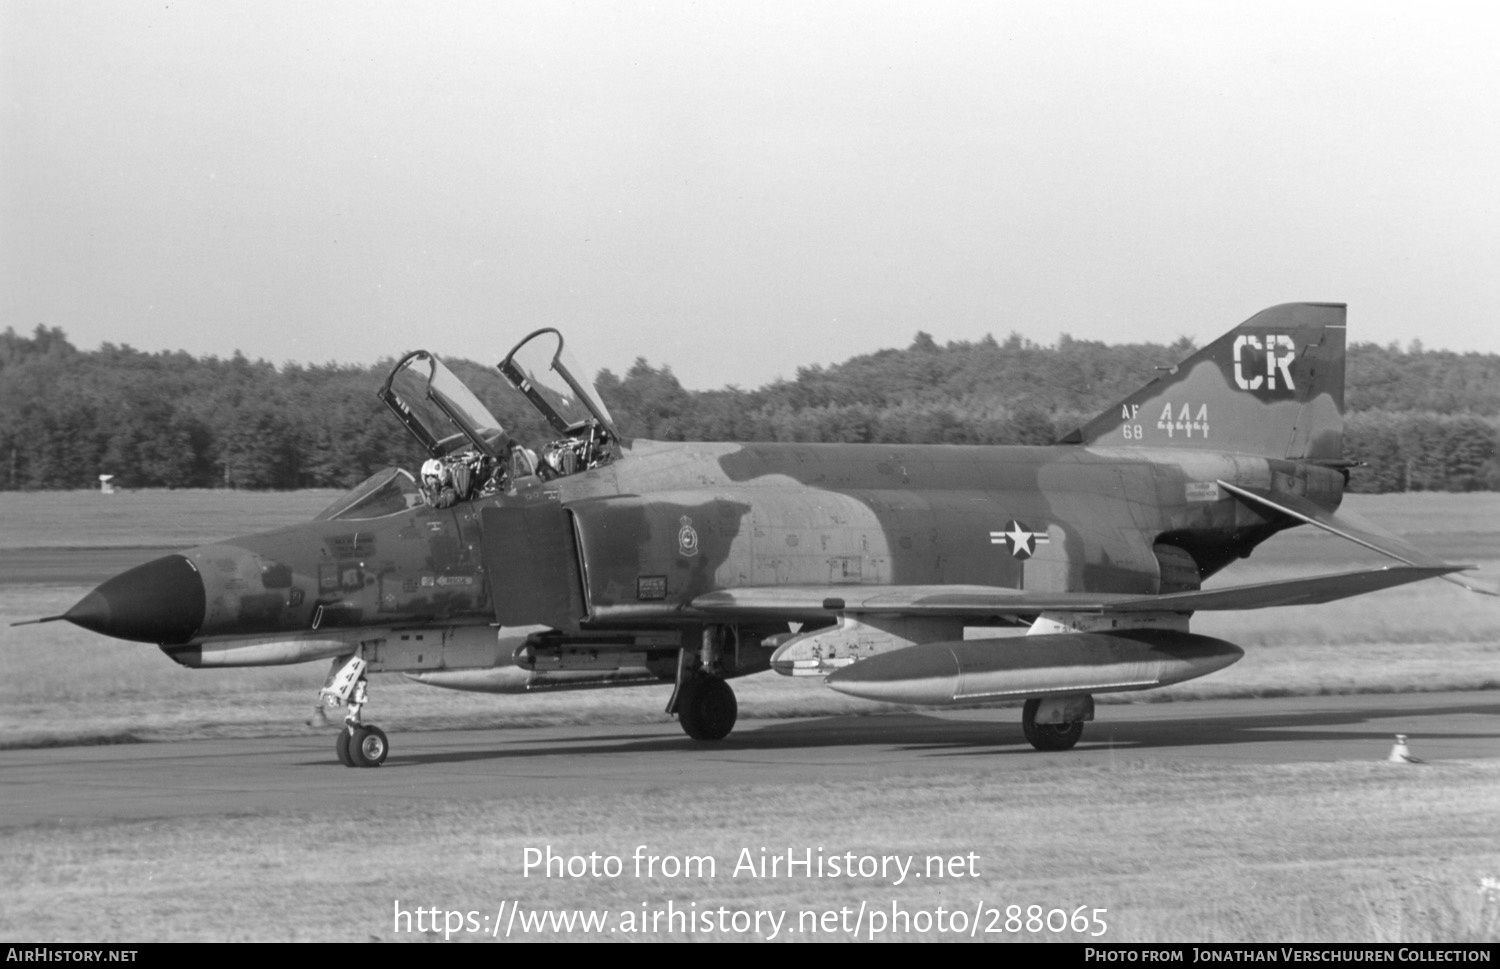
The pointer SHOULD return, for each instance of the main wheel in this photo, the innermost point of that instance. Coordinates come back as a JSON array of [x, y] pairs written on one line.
[[341, 746], [707, 708], [1048, 736], [368, 747]]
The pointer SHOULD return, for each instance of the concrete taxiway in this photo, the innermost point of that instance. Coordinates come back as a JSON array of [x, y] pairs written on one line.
[[299, 773]]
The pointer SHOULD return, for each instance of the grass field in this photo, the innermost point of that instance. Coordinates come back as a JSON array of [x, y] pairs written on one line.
[[177, 519]]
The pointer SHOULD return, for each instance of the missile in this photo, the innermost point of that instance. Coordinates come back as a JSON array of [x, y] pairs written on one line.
[[966, 671]]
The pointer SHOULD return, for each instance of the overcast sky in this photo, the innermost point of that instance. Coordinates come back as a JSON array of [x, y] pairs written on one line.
[[739, 189]]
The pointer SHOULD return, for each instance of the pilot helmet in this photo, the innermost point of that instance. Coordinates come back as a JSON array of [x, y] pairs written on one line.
[[432, 471]]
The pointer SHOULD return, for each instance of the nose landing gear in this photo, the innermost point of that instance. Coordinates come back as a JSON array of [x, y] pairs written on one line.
[[361, 745], [358, 744]]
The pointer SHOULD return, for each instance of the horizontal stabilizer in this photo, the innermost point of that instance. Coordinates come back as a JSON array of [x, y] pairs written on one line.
[[1350, 526], [987, 602]]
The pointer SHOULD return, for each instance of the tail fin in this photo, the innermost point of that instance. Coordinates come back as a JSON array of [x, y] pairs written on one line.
[[1272, 386]]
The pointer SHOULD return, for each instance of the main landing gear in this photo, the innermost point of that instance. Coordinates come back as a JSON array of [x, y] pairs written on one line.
[[359, 744], [1056, 722], [706, 707], [704, 703]]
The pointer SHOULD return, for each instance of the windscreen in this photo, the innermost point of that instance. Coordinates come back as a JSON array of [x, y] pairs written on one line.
[[384, 493]]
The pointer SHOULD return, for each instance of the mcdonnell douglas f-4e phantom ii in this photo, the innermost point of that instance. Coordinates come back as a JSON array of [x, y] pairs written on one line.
[[597, 561]]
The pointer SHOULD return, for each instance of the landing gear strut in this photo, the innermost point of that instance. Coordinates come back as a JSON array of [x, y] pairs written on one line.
[[358, 744], [1056, 723]]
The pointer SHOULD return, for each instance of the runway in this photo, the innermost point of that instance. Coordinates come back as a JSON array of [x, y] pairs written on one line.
[[73, 785], [72, 566]]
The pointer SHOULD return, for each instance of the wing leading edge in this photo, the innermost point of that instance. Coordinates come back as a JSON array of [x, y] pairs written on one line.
[[975, 601]]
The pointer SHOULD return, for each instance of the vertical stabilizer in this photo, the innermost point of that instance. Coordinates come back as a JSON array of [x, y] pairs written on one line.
[[1272, 386]]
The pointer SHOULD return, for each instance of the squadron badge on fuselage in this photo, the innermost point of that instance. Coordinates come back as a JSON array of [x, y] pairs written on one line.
[[687, 538]]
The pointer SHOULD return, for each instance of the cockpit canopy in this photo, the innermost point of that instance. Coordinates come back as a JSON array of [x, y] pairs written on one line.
[[452, 424], [547, 374], [439, 410], [542, 369]]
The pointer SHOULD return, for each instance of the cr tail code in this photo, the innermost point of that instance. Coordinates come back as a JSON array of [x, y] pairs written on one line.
[[1276, 363]]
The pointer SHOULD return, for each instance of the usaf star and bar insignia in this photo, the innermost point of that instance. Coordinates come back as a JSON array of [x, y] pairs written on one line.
[[1020, 540]]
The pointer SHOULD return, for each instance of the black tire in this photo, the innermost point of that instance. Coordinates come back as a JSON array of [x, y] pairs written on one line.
[[707, 708], [369, 747], [342, 747], [1048, 736]]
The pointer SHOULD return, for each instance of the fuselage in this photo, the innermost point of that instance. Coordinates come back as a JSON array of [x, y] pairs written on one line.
[[668, 522]]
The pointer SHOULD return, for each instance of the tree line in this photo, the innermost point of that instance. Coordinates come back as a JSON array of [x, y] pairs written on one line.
[[1420, 419]]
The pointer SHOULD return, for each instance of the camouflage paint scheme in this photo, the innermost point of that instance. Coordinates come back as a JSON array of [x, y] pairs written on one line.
[[668, 557]]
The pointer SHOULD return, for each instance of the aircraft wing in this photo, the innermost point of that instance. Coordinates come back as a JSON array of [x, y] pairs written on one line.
[[1350, 526], [976, 601]]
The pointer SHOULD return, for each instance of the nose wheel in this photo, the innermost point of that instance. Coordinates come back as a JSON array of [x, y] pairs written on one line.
[[361, 745], [358, 744]]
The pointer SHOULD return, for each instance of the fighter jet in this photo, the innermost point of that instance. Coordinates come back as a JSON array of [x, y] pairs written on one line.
[[592, 560]]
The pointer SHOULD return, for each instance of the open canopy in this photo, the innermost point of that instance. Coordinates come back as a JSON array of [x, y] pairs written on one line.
[[546, 373], [438, 409]]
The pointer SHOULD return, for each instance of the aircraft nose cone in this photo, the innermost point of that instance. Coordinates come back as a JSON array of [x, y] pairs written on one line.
[[159, 602]]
